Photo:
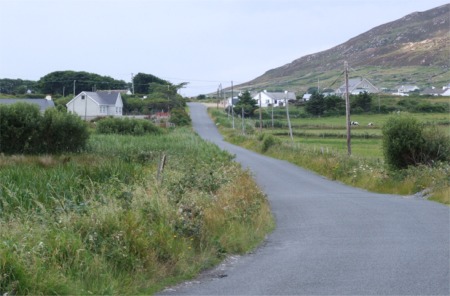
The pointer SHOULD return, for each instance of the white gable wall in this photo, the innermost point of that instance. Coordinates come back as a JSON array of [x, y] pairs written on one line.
[[267, 100], [86, 107], [91, 109]]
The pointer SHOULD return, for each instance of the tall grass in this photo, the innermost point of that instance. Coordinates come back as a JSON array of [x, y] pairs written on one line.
[[101, 222]]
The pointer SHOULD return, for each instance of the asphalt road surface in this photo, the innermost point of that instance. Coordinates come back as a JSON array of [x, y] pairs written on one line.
[[330, 239]]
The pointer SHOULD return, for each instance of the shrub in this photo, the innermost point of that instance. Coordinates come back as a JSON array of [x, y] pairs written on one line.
[[406, 143], [63, 132], [269, 141], [20, 128], [24, 130], [126, 126], [180, 117]]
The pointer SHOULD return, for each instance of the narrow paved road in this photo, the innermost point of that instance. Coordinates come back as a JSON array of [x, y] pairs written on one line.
[[331, 238]]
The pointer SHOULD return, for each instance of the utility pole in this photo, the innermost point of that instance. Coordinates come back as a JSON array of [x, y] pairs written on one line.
[[74, 87], [132, 83], [260, 114], [347, 111], [287, 114], [243, 121], [232, 104]]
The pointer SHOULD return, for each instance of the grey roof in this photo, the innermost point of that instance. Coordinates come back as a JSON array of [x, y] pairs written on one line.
[[281, 95], [103, 98], [43, 104], [354, 83]]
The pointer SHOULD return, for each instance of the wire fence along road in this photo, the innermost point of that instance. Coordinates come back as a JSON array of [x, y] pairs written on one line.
[[331, 238]]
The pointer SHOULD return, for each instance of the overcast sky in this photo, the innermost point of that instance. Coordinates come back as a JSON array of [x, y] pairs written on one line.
[[203, 42]]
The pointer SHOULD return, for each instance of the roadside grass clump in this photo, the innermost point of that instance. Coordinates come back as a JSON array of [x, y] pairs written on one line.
[[106, 222]]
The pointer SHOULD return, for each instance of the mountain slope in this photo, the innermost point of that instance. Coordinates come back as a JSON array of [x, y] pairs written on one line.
[[413, 49]]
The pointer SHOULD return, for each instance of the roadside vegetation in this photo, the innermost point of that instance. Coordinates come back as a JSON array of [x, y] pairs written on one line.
[[319, 144], [126, 214]]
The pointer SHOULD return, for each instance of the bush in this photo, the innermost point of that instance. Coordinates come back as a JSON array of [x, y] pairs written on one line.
[[20, 128], [24, 130], [180, 117], [268, 141], [126, 126], [63, 132], [406, 143]]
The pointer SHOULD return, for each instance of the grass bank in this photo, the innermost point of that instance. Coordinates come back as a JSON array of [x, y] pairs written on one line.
[[328, 155], [106, 222]]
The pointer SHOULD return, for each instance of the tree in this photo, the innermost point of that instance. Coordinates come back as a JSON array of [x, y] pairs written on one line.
[[316, 104], [247, 103], [334, 105], [363, 102], [63, 82], [147, 83]]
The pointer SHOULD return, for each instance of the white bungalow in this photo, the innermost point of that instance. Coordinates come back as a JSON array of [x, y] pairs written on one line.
[[90, 105], [276, 99], [357, 86]]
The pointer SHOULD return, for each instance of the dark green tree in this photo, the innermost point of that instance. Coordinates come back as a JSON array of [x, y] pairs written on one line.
[[316, 105], [334, 105], [361, 102], [63, 82], [147, 83], [247, 103]]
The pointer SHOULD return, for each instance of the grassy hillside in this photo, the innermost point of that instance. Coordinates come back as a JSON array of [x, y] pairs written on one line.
[[411, 50]]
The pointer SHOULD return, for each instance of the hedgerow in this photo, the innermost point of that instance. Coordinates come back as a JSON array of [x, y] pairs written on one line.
[[24, 130], [126, 126]]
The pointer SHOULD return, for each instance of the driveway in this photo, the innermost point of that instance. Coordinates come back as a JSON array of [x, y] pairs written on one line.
[[330, 239]]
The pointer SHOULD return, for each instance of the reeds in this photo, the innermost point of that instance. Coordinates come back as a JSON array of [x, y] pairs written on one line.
[[99, 222]]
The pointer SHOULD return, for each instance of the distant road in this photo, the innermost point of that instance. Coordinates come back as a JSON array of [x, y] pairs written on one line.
[[331, 239]]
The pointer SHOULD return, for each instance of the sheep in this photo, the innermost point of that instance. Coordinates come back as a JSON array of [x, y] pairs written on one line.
[[354, 123], [370, 124]]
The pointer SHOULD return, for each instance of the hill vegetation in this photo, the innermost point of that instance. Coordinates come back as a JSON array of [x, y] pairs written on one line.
[[411, 50]]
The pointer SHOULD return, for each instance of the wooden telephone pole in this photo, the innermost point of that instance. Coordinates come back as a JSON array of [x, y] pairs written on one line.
[[347, 111]]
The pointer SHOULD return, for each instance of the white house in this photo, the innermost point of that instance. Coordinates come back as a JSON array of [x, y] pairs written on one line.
[[89, 105], [357, 86], [275, 99], [407, 88], [228, 102]]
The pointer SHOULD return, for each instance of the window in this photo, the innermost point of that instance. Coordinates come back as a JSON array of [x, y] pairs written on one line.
[[82, 97]]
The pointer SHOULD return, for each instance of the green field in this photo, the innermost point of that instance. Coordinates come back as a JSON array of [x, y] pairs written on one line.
[[320, 145], [330, 132]]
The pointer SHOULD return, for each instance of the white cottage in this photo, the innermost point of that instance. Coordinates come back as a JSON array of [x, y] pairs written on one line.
[[276, 99], [90, 105], [357, 86]]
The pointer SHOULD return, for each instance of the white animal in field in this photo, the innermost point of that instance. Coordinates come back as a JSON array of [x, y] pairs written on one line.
[[370, 124], [354, 123]]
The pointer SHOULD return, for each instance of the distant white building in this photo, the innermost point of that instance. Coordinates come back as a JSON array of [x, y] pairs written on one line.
[[90, 105], [276, 99], [407, 88], [357, 86]]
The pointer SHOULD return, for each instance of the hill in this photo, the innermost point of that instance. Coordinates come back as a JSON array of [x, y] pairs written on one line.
[[411, 50]]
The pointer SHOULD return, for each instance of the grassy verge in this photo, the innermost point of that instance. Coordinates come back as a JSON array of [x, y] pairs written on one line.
[[102, 222], [328, 157]]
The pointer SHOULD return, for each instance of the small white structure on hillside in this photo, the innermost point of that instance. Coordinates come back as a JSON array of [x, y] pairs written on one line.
[[89, 105], [276, 99], [357, 86]]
